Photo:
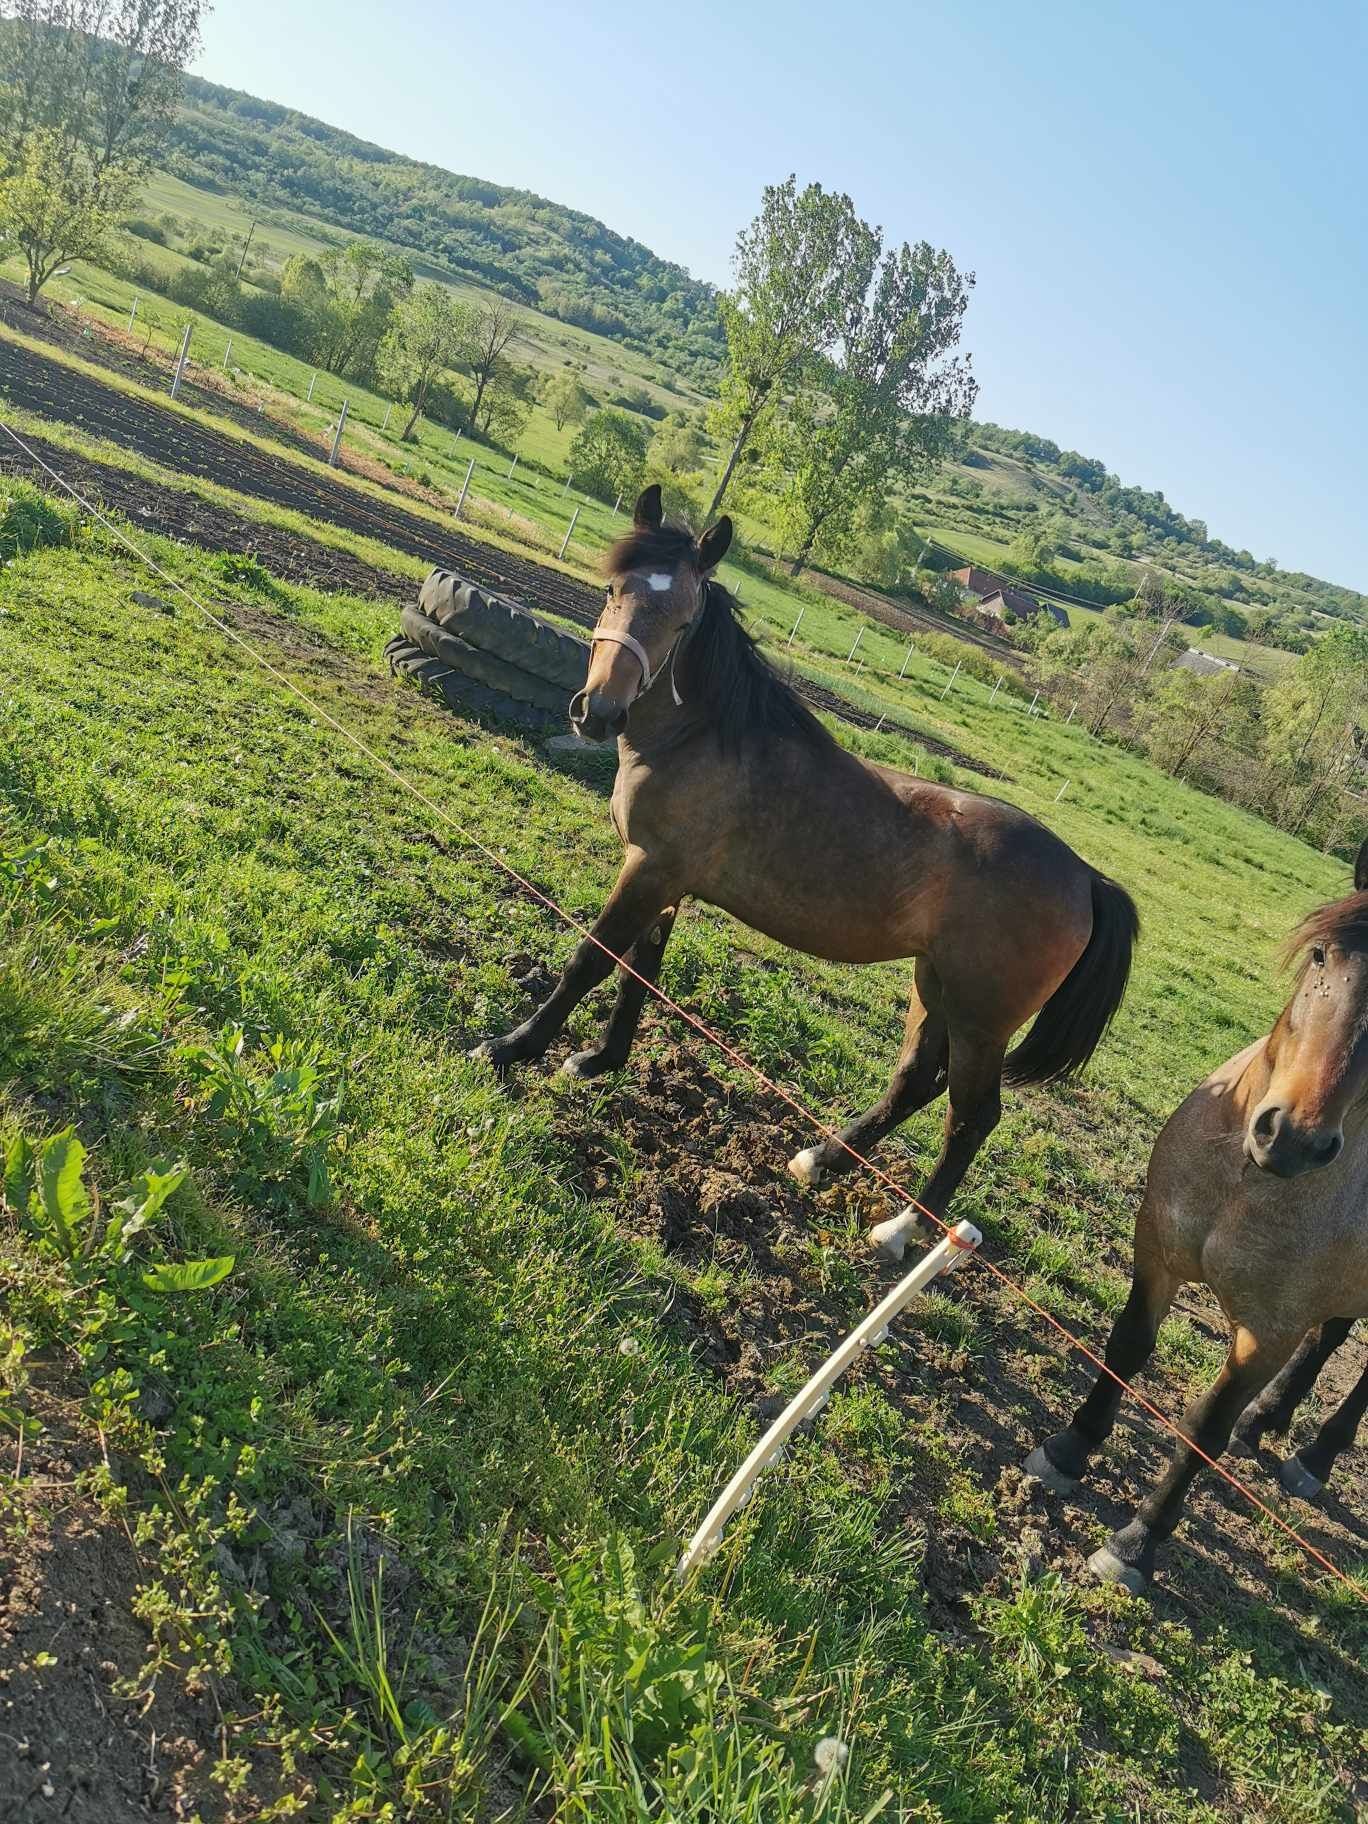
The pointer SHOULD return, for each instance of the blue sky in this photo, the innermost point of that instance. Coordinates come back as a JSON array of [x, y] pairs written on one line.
[[1166, 205]]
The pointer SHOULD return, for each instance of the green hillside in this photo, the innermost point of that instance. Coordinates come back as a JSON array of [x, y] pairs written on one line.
[[560, 260]]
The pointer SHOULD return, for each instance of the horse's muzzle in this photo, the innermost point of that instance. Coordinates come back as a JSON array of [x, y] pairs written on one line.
[[594, 716], [1280, 1145]]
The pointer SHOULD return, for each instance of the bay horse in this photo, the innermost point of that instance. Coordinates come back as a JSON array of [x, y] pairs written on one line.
[[730, 790], [1258, 1188]]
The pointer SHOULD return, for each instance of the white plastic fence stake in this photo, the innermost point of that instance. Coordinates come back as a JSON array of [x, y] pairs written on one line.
[[568, 480], [565, 542], [796, 625], [869, 1332], [179, 374], [996, 688], [313, 382], [858, 637], [337, 436], [132, 310], [512, 465], [1060, 793], [1034, 700], [617, 503], [953, 675], [464, 487], [879, 724], [907, 659], [385, 426], [1072, 713]]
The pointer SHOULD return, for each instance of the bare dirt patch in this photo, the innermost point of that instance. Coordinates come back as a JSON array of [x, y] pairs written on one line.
[[84, 1739]]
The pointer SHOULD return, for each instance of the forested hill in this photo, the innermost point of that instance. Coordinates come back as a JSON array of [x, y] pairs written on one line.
[[551, 257]]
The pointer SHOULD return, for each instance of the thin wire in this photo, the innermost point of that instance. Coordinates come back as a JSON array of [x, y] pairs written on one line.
[[674, 1007]]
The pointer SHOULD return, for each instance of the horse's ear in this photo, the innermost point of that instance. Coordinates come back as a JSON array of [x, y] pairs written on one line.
[[648, 512], [1361, 869], [712, 547]]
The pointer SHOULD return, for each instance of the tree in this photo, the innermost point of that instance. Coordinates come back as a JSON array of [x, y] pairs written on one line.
[[508, 398], [567, 399], [52, 209], [494, 332], [104, 75], [89, 88], [679, 446], [798, 268], [429, 332], [608, 457], [1316, 720], [363, 284], [881, 410]]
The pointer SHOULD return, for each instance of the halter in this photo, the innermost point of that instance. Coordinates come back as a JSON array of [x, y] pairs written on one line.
[[638, 651]]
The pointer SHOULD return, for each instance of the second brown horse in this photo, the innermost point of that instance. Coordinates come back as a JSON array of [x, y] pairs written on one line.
[[730, 790]]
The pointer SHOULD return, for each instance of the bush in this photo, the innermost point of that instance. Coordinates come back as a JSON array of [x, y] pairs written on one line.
[[147, 231]]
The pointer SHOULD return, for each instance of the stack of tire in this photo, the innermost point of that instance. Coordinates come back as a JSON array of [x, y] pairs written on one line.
[[484, 655]]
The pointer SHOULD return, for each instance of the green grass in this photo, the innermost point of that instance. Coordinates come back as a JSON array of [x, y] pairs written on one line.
[[425, 1347]]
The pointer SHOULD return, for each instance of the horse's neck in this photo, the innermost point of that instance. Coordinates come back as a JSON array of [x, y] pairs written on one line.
[[658, 723]]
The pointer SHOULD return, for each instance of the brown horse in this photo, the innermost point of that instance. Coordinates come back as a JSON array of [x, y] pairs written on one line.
[[1258, 1188], [730, 790]]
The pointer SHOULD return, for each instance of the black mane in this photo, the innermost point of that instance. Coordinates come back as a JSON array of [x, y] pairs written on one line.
[[718, 663]]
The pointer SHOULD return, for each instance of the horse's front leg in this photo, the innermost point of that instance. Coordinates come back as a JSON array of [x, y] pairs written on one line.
[[644, 958], [1276, 1406], [638, 897]]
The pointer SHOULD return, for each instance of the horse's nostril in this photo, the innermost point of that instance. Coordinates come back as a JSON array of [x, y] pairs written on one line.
[[1266, 1123], [1329, 1148]]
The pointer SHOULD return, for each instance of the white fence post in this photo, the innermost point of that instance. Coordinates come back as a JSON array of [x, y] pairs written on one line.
[[132, 312], [565, 542], [796, 625], [907, 659], [809, 1401], [227, 353], [1060, 793], [996, 688], [512, 465], [465, 487], [1034, 700], [385, 426], [313, 382], [179, 374], [858, 637], [337, 436], [953, 675]]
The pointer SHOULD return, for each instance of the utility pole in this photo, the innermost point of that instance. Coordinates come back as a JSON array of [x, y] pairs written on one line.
[[245, 245]]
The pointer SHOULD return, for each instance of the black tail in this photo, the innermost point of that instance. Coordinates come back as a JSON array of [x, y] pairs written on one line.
[[1071, 1024]]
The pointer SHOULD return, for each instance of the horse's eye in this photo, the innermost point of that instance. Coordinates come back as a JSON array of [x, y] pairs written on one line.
[[1318, 956]]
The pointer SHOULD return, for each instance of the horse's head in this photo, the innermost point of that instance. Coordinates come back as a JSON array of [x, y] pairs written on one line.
[[1318, 1051], [657, 584]]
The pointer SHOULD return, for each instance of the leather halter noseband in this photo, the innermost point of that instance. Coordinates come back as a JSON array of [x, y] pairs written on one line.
[[638, 651]]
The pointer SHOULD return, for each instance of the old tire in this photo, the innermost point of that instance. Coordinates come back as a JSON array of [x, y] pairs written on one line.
[[484, 667], [492, 624], [466, 695]]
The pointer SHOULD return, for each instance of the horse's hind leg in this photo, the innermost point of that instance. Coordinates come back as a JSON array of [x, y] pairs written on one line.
[[918, 1079], [1307, 1473], [1275, 1406], [1128, 1556], [974, 1109], [645, 958], [1062, 1461], [638, 896]]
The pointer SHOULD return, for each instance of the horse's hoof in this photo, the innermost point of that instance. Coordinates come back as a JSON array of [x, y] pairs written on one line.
[[587, 1064], [1246, 1446], [482, 1053], [806, 1167], [1039, 1468], [889, 1239], [1108, 1568], [1297, 1479]]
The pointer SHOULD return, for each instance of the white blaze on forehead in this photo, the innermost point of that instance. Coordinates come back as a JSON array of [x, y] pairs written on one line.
[[660, 581]]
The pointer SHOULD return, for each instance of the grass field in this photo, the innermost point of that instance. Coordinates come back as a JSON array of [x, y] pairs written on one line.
[[408, 1485]]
